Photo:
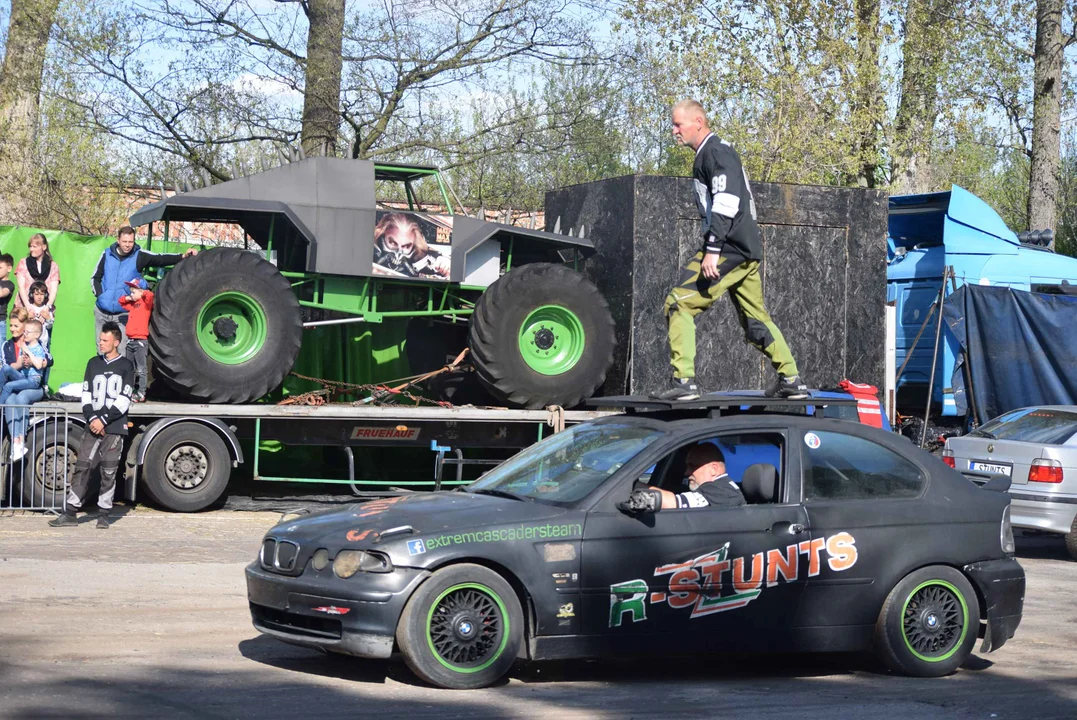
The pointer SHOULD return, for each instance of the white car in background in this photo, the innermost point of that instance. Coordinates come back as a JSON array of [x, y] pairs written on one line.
[[1036, 448]]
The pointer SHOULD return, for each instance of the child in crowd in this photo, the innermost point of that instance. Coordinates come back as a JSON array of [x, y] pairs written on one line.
[[22, 381], [40, 310], [139, 304], [7, 288]]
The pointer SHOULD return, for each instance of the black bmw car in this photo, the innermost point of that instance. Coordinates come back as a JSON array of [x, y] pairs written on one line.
[[850, 539]]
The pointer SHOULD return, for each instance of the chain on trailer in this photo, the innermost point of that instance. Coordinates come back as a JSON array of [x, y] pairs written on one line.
[[35, 474], [379, 394]]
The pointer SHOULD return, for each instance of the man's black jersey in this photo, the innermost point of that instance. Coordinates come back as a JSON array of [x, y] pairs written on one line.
[[106, 392], [725, 203], [720, 492]]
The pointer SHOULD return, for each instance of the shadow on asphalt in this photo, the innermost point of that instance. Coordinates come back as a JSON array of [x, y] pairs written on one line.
[[1041, 546]]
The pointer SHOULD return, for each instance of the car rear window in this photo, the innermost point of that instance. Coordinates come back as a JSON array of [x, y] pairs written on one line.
[[845, 467], [1038, 425]]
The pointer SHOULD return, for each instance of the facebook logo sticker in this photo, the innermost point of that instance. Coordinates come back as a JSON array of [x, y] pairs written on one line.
[[416, 547]]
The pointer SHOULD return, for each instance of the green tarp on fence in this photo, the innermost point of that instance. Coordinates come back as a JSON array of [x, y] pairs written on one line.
[[355, 353]]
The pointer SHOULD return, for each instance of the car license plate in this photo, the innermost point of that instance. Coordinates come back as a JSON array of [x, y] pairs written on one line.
[[986, 467]]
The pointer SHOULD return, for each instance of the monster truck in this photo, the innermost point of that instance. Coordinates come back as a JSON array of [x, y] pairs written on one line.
[[228, 323]]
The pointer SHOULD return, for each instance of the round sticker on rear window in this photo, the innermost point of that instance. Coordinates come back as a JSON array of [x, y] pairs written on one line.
[[812, 440]]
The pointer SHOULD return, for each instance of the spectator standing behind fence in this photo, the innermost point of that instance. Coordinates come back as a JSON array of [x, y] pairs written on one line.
[[106, 398], [22, 383], [138, 304], [41, 310], [124, 260], [7, 288], [38, 266]]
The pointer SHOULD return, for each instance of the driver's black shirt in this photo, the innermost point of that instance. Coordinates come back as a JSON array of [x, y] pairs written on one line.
[[720, 492]]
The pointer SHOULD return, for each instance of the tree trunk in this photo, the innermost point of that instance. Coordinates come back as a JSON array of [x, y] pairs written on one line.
[[1046, 116], [868, 109], [20, 91], [321, 97], [914, 127]]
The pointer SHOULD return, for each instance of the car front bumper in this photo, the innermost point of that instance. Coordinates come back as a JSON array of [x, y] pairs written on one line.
[[1053, 512], [1002, 586], [356, 616]]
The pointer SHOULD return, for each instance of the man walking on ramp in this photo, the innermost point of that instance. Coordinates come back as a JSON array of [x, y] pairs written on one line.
[[729, 262]]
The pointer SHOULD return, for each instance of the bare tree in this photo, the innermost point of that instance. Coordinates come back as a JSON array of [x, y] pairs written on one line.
[[926, 24], [1046, 115], [417, 79], [20, 92]]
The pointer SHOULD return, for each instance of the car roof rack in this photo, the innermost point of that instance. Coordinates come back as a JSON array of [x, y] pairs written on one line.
[[716, 404]]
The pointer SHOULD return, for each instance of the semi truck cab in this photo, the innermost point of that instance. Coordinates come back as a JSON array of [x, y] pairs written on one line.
[[927, 233]]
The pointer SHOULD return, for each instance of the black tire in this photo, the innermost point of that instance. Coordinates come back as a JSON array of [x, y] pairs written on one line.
[[186, 467], [42, 473], [178, 355], [905, 639], [1071, 540], [456, 600], [496, 325]]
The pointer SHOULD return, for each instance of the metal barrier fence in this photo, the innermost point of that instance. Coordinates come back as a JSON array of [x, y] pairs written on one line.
[[36, 477]]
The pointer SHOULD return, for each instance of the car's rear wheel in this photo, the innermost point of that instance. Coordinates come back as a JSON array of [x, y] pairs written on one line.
[[462, 628], [928, 623], [1071, 539]]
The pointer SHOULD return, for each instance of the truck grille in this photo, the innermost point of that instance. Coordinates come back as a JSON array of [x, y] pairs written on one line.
[[280, 556]]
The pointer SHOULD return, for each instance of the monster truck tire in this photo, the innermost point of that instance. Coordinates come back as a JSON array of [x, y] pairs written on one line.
[[226, 327], [542, 335]]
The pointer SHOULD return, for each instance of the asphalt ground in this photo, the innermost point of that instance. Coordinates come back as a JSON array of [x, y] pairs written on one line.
[[149, 620]]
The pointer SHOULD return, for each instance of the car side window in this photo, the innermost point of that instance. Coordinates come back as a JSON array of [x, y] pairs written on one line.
[[845, 467], [739, 450]]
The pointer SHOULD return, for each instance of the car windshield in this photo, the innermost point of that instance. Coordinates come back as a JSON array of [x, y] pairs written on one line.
[[569, 465], [1036, 425]]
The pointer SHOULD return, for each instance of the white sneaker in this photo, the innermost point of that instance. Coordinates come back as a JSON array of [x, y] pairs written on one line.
[[18, 450]]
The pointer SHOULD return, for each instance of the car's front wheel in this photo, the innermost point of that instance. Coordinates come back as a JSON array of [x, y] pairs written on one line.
[[928, 623], [1071, 540], [462, 628]]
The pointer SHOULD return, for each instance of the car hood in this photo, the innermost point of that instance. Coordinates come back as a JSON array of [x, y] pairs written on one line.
[[362, 525]]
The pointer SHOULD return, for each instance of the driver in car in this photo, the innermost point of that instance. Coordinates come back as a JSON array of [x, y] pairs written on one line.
[[708, 485]]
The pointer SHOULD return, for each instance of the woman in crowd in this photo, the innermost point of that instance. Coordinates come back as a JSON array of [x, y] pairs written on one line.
[[15, 354], [37, 266]]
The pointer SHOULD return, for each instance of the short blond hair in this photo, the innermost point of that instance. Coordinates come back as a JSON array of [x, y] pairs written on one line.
[[694, 107]]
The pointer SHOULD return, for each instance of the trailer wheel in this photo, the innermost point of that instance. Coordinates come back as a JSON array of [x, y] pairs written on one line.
[[542, 335], [187, 467], [226, 327], [43, 471]]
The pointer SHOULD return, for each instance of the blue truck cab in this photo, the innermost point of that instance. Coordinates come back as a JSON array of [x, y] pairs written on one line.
[[928, 232]]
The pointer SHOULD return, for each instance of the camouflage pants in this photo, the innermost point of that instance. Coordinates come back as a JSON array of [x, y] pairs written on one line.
[[694, 294]]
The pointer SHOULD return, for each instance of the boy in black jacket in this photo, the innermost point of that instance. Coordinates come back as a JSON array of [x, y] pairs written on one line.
[[106, 398]]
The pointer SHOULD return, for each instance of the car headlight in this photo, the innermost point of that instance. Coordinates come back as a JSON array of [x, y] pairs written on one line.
[[349, 562], [320, 559]]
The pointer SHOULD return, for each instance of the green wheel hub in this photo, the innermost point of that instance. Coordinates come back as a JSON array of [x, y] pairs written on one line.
[[231, 328], [467, 628], [552, 340], [934, 621]]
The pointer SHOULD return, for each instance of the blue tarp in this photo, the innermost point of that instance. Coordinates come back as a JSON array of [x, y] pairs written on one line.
[[1021, 348]]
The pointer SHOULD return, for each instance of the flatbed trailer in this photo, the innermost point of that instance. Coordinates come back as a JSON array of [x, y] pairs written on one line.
[[182, 454]]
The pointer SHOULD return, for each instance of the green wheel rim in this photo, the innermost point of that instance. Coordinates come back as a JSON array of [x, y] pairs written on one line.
[[934, 621], [462, 610], [231, 328], [552, 340]]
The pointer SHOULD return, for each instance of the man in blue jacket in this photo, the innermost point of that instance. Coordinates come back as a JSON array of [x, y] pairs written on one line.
[[123, 261]]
